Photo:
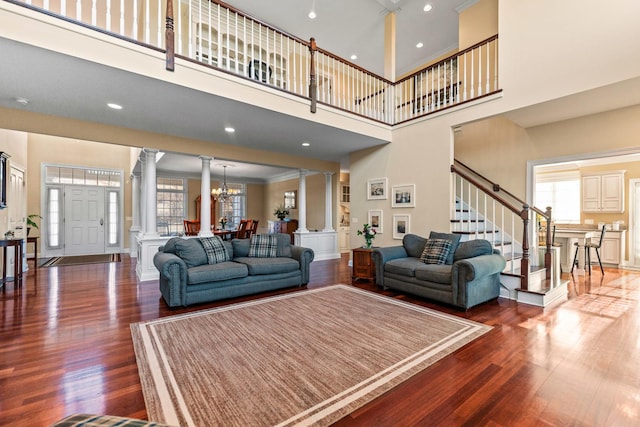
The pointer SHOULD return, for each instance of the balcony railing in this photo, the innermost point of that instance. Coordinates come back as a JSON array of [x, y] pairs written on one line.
[[217, 35]]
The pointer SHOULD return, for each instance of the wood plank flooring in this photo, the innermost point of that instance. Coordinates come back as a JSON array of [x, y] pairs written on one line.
[[65, 347]]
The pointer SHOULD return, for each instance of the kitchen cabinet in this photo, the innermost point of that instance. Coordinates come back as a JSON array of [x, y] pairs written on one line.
[[603, 192], [343, 239], [612, 251]]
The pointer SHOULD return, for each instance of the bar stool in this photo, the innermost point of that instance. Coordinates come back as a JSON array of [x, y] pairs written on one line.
[[587, 252]]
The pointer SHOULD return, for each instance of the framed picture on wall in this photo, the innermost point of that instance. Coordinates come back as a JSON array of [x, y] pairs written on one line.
[[375, 220], [400, 226], [377, 189], [403, 196]]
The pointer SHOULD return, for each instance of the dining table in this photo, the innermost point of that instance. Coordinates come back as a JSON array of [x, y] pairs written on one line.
[[224, 234]]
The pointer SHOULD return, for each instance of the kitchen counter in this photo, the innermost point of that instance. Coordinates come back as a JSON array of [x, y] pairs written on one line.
[[612, 252]]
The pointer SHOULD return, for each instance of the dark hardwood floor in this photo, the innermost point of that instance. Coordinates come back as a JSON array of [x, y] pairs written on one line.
[[65, 347]]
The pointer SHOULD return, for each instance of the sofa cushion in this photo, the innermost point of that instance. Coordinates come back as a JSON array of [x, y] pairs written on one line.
[[216, 272], [170, 246], [455, 241], [191, 252], [438, 273], [263, 246], [435, 251], [473, 248], [215, 249], [258, 266], [240, 247], [413, 244], [403, 266]]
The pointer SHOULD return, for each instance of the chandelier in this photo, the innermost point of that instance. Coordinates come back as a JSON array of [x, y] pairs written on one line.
[[223, 193]]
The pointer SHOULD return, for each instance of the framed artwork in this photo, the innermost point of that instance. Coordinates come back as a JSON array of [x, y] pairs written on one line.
[[377, 189], [403, 196], [375, 220], [290, 199], [400, 226]]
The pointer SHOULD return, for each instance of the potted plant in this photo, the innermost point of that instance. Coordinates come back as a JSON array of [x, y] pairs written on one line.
[[281, 212], [31, 223]]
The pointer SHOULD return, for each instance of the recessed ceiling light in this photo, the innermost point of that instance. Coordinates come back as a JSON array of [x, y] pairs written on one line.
[[22, 101], [427, 7], [354, 57], [312, 15], [229, 129], [114, 106], [419, 45], [306, 144]]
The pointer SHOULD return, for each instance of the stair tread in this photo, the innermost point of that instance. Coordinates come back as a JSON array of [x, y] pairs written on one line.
[[475, 232]]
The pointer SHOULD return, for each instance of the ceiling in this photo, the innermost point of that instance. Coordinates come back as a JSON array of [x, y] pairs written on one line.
[[347, 27]]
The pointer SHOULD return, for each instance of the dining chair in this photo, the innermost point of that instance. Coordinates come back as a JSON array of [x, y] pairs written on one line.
[[253, 229], [191, 228], [588, 245], [242, 229]]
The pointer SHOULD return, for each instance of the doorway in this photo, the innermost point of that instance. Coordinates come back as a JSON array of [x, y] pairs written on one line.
[[634, 223], [84, 220]]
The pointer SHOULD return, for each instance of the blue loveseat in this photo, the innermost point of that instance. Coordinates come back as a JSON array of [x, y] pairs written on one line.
[[188, 276], [469, 275]]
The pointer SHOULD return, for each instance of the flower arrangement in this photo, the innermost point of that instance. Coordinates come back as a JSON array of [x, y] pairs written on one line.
[[281, 212], [369, 234], [223, 221]]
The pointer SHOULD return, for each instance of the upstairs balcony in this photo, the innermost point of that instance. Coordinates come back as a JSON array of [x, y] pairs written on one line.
[[215, 35]]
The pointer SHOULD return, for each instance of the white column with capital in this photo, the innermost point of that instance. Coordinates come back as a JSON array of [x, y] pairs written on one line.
[[328, 203], [302, 202], [205, 198], [143, 191], [135, 213], [150, 197]]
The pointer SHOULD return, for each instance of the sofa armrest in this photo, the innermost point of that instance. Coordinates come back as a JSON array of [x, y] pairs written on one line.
[[173, 277], [304, 256], [471, 279], [382, 255]]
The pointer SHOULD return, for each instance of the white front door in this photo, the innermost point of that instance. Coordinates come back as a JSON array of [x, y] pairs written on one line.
[[84, 220]]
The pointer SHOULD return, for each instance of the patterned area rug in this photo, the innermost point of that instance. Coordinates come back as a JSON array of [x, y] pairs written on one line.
[[80, 259], [303, 358]]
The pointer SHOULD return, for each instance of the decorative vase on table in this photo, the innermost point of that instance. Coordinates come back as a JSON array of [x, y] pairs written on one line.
[[369, 234]]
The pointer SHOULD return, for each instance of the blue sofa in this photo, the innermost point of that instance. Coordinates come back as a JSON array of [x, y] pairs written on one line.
[[470, 275], [188, 277]]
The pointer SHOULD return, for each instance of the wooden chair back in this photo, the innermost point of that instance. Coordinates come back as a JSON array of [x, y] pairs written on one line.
[[253, 229], [191, 228], [242, 229]]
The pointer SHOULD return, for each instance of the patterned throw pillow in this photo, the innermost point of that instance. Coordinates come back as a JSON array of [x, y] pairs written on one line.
[[263, 246], [214, 247], [435, 251]]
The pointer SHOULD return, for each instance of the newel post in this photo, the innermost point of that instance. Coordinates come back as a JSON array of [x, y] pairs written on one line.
[[313, 87], [524, 263], [547, 254], [170, 64]]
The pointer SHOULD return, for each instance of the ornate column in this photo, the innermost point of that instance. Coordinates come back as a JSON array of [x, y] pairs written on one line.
[[143, 191], [302, 202], [205, 198], [135, 214], [328, 203], [150, 197]]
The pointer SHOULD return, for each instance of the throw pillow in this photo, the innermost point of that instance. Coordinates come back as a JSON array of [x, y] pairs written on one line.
[[214, 247], [191, 252], [435, 251], [455, 241], [263, 246]]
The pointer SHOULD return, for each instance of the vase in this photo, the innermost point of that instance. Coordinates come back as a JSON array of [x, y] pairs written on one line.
[[368, 244]]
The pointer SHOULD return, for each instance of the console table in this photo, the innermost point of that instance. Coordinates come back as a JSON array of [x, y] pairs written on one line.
[[33, 240], [17, 259]]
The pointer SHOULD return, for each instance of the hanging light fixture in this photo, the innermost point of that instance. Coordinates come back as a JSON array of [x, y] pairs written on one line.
[[223, 193]]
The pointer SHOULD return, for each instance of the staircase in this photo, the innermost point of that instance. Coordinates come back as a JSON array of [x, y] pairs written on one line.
[[482, 209]]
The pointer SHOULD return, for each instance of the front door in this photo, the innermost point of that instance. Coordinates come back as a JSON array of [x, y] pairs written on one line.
[[84, 220]]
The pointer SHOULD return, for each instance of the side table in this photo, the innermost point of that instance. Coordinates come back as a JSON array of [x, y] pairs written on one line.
[[363, 266], [17, 259], [33, 240]]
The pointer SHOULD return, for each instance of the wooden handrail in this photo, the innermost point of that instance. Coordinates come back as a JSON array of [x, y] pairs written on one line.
[[490, 193], [498, 187]]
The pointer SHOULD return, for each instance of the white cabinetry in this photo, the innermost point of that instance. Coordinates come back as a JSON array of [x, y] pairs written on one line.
[[612, 250], [344, 239], [603, 192]]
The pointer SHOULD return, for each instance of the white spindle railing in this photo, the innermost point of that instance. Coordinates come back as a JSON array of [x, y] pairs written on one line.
[[224, 38]]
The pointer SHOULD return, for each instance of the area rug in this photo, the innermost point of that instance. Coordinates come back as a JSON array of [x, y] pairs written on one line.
[[81, 259], [303, 358]]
